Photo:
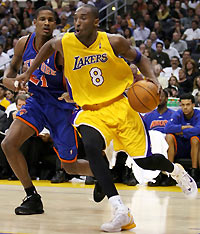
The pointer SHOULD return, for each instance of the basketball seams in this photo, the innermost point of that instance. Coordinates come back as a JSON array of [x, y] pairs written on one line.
[[155, 101], [139, 98]]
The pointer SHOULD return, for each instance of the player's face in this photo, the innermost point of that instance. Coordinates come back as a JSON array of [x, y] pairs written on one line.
[[187, 106], [84, 22], [45, 23]]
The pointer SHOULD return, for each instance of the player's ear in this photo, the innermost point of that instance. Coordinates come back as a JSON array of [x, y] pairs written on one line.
[[96, 23], [34, 21]]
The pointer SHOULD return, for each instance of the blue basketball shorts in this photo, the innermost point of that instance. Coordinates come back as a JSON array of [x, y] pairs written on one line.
[[57, 120], [183, 146]]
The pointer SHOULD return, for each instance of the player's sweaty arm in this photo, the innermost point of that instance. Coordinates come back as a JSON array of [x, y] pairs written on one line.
[[121, 47], [12, 70], [45, 52]]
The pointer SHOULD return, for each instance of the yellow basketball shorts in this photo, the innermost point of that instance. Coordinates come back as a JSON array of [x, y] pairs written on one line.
[[120, 123]]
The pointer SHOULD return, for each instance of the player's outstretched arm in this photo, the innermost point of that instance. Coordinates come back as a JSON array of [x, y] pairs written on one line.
[[121, 47], [45, 52]]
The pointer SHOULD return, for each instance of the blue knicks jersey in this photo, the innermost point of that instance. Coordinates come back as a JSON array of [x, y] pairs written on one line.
[[155, 121], [47, 82]]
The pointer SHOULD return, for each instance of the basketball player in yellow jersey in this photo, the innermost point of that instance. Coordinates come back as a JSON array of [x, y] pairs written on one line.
[[98, 77]]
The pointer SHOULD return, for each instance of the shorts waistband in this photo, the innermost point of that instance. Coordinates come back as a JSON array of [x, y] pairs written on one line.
[[103, 104]]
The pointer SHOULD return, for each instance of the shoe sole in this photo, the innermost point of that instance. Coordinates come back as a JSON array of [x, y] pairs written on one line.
[[130, 225], [25, 212]]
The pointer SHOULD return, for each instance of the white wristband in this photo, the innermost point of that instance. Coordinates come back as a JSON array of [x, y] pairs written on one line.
[[16, 84]]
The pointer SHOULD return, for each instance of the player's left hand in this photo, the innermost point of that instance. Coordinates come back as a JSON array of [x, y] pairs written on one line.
[[66, 97]]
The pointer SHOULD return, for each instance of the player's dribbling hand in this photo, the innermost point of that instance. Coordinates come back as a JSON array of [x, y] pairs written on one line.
[[156, 82], [66, 97]]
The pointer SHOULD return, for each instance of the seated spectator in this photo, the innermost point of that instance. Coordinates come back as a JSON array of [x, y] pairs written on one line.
[[135, 13], [173, 81], [197, 100], [191, 70], [183, 133], [149, 22], [127, 16], [177, 27], [196, 86], [161, 57], [10, 95], [129, 36], [4, 103], [192, 35], [29, 27], [82, 2], [141, 33], [173, 69], [187, 20], [178, 44], [4, 59], [148, 44], [185, 56], [177, 12], [174, 91], [156, 120], [171, 51], [10, 52], [159, 30], [186, 86], [163, 12], [30, 8], [154, 39], [4, 34]]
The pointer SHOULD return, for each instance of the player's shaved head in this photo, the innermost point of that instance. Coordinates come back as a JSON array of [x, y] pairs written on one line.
[[93, 9]]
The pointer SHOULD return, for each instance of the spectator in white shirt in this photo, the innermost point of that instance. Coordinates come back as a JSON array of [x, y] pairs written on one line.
[[192, 33], [173, 70], [171, 51], [141, 33], [4, 59], [82, 2]]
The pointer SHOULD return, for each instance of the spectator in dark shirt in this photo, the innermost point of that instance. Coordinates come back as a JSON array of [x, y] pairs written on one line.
[[186, 86], [161, 57]]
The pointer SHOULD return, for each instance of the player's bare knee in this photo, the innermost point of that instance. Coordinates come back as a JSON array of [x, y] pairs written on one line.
[[8, 146], [194, 142]]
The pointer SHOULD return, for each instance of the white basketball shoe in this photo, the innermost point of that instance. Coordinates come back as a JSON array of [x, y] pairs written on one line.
[[186, 182], [122, 220]]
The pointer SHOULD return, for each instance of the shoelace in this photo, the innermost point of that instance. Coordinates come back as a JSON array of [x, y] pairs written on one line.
[[26, 198]]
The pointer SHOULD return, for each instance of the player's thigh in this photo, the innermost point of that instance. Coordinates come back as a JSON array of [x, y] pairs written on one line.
[[18, 133]]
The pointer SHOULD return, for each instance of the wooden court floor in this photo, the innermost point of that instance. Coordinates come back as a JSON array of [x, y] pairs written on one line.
[[69, 209]]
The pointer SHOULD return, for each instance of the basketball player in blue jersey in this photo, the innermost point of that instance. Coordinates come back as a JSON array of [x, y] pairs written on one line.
[[98, 77], [158, 118], [43, 109]]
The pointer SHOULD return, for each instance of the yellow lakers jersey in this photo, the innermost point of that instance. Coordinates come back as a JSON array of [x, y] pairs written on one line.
[[94, 73]]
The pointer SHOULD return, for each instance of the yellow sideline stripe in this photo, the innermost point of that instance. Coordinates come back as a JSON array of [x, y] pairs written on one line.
[[46, 183]]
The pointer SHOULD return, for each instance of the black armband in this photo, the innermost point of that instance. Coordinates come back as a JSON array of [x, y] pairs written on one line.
[[138, 57]]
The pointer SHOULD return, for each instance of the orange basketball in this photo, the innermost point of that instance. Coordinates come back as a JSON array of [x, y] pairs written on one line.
[[143, 96]]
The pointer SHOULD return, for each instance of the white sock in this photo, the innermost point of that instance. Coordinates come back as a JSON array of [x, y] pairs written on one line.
[[176, 170], [116, 202]]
